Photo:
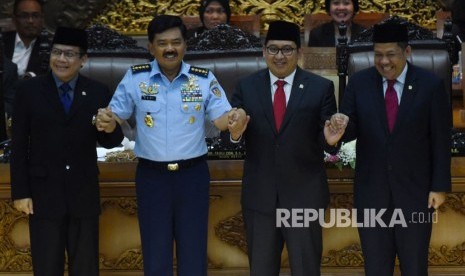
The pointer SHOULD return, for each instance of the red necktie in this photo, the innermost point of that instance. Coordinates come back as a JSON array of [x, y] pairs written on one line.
[[279, 104], [392, 104]]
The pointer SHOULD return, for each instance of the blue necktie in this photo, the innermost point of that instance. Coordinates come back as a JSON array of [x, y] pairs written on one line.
[[65, 97]]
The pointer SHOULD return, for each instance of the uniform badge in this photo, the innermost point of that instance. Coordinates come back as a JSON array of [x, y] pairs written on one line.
[[185, 107], [149, 91], [148, 119], [190, 91], [197, 107], [213, 83], [191, 120], [216, 91]]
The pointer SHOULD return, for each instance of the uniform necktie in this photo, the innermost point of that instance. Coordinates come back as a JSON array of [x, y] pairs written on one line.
[[392, 104], [279, 104], [65, 97]]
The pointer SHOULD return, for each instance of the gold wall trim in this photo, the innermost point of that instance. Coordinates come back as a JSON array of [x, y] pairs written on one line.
[[132, 17]]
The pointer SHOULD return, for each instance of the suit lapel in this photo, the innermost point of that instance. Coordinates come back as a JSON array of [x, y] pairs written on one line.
[[50, 93], [294, 99], [264, 97], [378, 99], [79, 95], [408, 95]]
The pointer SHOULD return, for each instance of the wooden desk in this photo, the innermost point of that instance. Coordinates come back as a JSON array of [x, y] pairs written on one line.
[[120, 252]]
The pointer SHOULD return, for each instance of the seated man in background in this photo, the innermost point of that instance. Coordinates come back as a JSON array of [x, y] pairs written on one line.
[[22, 46], [341, 12], [212, 13]]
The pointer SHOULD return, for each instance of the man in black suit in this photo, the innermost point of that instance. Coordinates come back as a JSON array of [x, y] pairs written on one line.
[[54, 173], [400, 115], [284, 167], [22, 46]]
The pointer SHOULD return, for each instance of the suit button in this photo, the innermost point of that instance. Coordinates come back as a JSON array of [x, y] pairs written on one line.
[[67, 167]]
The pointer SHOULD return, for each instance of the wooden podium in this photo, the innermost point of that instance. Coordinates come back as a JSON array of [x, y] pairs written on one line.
[[120, 250]]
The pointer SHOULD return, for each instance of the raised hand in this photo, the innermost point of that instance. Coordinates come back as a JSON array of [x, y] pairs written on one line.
[[335, 128], [237, 122], [105, 120]]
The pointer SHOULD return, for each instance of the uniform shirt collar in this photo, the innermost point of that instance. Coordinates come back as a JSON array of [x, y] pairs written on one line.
[[157, 71]]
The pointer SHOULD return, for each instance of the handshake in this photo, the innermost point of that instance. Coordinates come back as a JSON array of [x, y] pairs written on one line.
[[335, 128], [237, 123]]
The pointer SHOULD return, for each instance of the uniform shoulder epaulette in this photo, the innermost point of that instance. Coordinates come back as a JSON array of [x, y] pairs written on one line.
[[141, 68], [203, 72]]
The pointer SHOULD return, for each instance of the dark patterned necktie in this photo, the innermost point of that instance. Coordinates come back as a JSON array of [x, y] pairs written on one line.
[[392, 104], [279, 104], [65, 97]]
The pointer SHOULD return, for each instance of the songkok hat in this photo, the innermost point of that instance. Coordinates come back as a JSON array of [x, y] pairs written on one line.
[[283, 30], [354, 2], [71, 37], [223, 3], [390, 32]]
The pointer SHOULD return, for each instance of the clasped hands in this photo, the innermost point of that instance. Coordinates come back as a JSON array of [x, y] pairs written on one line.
[[237, 122], [335, 128], [105, 120]]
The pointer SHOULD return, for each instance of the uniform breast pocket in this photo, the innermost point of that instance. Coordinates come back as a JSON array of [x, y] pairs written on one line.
[[192, 113], [149, 111]]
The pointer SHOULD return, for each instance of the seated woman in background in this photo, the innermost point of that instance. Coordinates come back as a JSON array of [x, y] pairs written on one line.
[[212, 13], [341, 11]]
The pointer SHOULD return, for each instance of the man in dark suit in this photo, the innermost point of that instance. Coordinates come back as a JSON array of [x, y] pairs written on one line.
[[54, 173], [400, 115], [284, 168], [22, 46]]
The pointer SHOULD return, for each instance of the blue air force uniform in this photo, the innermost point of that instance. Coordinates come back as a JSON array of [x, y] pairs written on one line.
[[172, 179]]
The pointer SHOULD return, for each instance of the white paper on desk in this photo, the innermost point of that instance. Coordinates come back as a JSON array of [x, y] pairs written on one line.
[[102, 152]]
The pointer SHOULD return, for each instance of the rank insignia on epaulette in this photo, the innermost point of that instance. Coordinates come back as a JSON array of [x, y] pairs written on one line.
[[199, 71], [141, 68]]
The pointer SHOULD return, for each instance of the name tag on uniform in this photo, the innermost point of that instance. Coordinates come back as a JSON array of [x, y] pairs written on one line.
[[149, 98]]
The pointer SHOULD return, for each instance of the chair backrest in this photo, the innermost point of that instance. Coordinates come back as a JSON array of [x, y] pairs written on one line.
[[247, 23], [428, 52], [436, 61], [366, 19]]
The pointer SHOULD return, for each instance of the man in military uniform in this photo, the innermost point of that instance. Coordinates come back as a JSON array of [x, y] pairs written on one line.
[[170, 100]]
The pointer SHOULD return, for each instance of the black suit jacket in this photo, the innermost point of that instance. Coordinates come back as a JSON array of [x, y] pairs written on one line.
[[54, 158], [286, 166], [324, 35], [35, 62], [399, 169], [9, 78]]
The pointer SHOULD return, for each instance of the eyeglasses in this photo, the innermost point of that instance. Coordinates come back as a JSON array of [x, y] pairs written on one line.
[[68, 54], [286, 51], [26, 16]]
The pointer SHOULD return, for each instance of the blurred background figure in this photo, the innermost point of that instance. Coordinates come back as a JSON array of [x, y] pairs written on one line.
[[341, 12], [22, 46], [212, 13]]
